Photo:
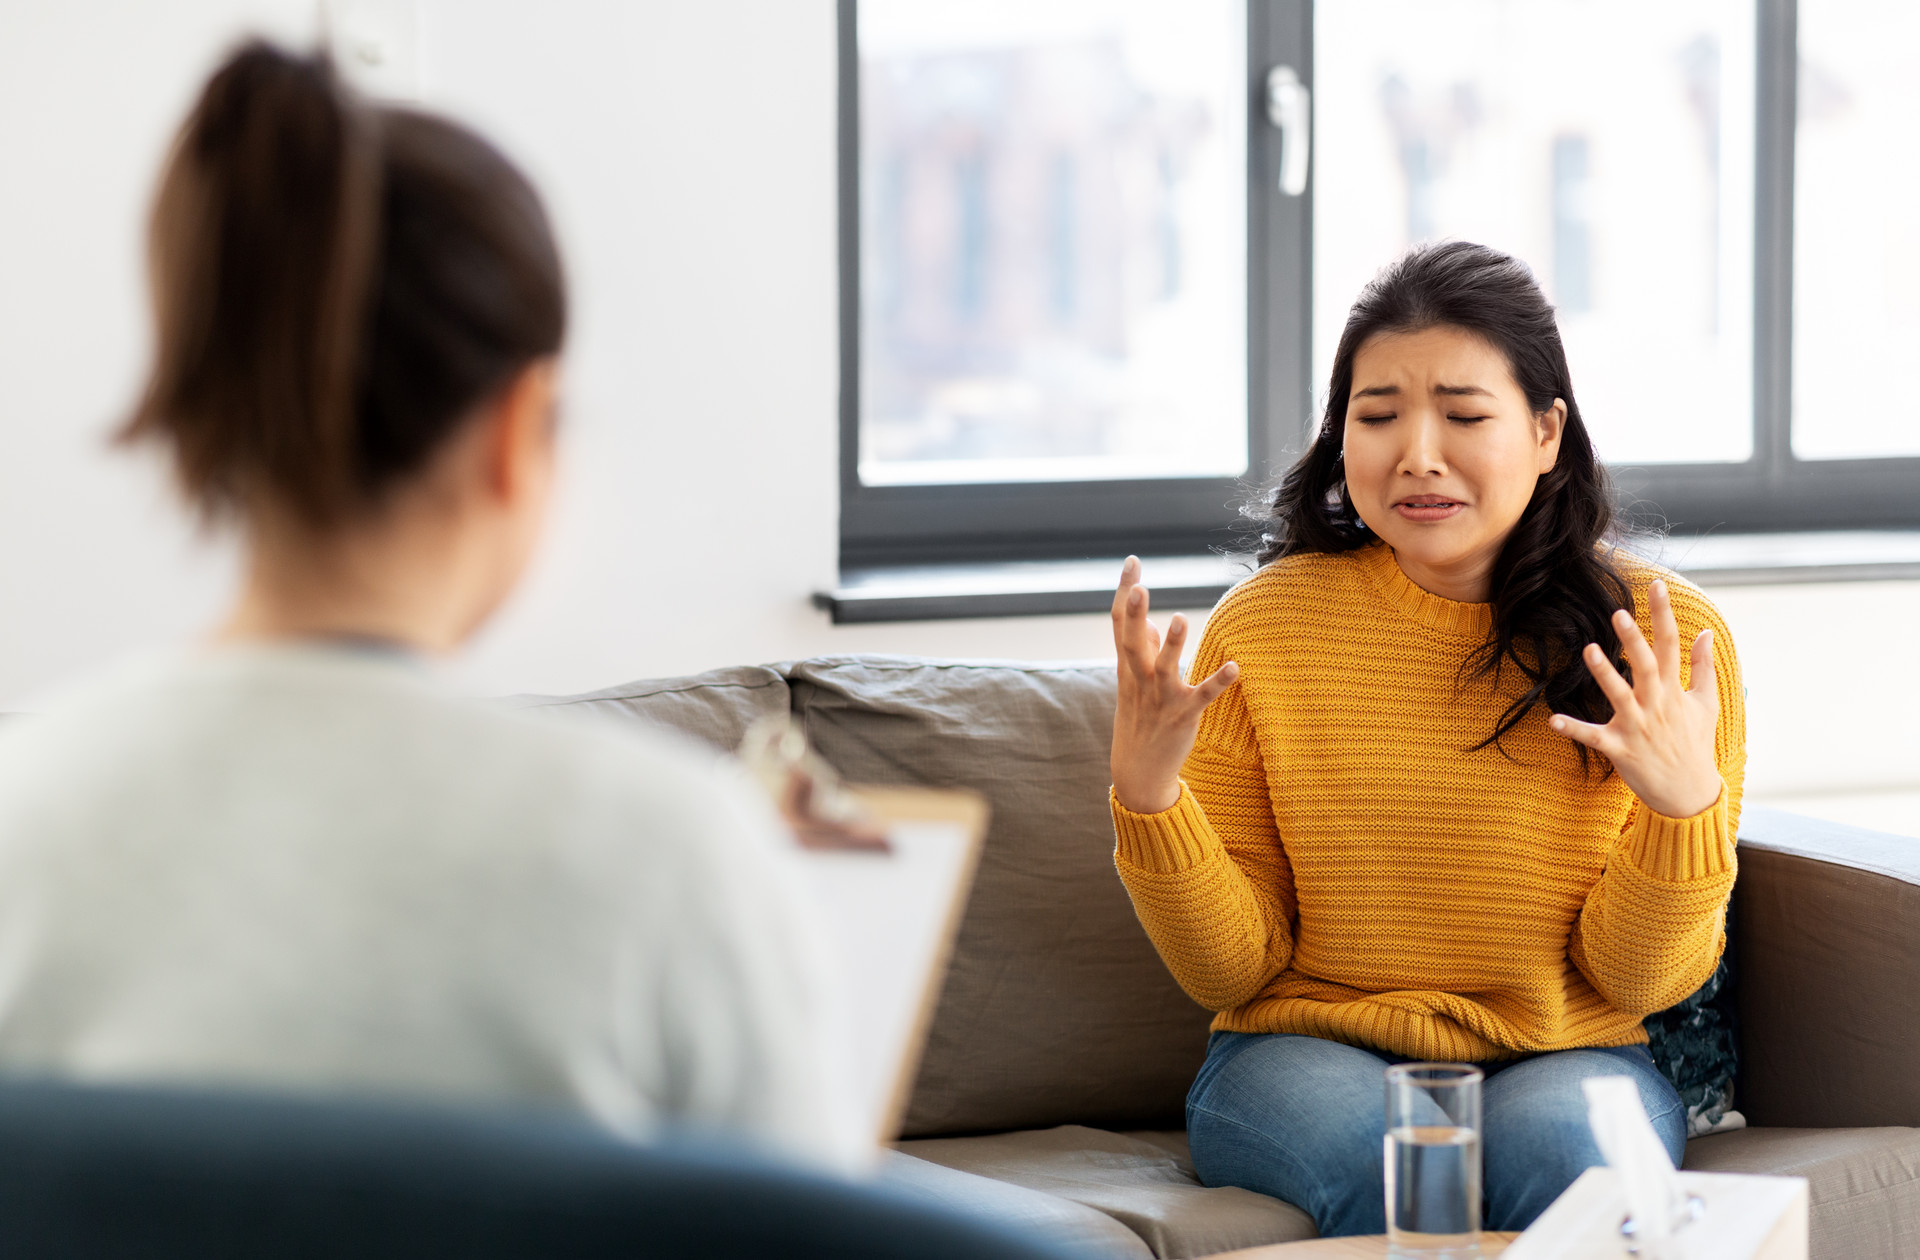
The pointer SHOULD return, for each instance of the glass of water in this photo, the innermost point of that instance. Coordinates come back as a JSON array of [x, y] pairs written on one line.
[[1433, 1161]]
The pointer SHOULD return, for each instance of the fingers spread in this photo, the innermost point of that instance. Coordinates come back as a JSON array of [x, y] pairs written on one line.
[[1703, 676], [1129, 578], [1666, 632], [1167, 664], [1122, 603], [1136, 639], [1633, 646], [1594, 737], [1612, 685], [1147, 644], [1217, 682]]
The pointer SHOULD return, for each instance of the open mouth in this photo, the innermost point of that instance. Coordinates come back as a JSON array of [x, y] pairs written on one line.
[[1428, 507]]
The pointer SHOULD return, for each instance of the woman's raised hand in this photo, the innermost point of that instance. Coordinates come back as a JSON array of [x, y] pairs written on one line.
[[1158, 714], [1661, 736]]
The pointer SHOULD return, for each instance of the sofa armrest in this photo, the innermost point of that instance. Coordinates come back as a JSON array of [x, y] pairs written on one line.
[[1827, 929]]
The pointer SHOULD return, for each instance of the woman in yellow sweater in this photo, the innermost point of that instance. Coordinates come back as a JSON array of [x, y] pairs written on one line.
[[1435, 794]]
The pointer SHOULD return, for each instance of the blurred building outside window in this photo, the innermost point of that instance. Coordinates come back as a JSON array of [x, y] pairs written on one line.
[[1610, 146], [1856, 238], [1055, 274], [1052, 240]]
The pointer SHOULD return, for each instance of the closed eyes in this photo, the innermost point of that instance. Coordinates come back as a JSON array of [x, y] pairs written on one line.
[[1372, 420]]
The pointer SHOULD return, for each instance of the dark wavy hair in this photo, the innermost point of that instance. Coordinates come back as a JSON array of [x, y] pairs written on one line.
[[1554, 587]]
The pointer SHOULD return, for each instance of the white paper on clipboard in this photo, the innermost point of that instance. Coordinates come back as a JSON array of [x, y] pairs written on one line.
[[889, 922]]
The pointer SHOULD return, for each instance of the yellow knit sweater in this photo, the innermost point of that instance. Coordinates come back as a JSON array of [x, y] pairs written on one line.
[[1340, 865]]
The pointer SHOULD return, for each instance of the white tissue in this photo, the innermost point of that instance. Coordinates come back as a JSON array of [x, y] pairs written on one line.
[[1632, 1149]]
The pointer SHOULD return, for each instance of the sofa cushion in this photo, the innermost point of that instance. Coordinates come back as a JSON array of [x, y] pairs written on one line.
[[716, 707], [1063, 1222], [1863, 1184], [1143, 1180], [1829, 944], [1056, 1008]]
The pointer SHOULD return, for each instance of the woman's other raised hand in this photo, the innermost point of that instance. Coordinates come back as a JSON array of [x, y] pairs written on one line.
[[1661, 735], [1158, 714]]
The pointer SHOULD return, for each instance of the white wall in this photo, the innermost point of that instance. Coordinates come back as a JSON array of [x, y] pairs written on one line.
[[1832, 684], [687, 152], [93, 559]]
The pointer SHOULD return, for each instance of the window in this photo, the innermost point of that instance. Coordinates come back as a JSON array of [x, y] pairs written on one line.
[[1856, 232], [1053, 257], [1081, 318], [1624, 176], [1049, 321]]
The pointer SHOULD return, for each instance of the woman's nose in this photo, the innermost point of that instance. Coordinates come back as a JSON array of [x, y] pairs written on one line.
[[1421, 453]]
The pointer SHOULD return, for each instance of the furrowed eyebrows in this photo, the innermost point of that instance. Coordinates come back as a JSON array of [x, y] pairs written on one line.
[[1449, 391]]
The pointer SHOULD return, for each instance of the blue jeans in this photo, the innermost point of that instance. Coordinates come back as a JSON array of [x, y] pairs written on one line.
[[1304, 1120]]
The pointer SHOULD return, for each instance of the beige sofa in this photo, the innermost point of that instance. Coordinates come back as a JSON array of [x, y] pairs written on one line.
[[1052, 1088]]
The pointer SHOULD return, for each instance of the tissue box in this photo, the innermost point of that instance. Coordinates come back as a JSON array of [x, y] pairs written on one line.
[[1744, 1218]]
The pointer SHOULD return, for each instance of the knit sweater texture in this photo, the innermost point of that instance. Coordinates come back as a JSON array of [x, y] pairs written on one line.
[[1343, 863], [305, 867]]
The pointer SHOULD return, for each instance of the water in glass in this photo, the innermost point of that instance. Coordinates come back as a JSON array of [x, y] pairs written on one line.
[[1433, 1161], [1433, 1191]]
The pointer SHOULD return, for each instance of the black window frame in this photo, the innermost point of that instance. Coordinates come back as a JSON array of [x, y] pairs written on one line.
[[1773, 490], [906, 525]]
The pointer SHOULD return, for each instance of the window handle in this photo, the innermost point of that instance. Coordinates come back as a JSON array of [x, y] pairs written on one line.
[[1290, 108]]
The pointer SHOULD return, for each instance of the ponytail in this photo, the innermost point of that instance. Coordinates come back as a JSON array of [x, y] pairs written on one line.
[[336, 285]]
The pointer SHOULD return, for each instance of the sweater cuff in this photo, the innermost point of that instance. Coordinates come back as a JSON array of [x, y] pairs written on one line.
[[1682, 850], [1170, 841]]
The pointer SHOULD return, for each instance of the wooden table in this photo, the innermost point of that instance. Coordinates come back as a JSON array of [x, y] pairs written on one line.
[[1369, 1247]]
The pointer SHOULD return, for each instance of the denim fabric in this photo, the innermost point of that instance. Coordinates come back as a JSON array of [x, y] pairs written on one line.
[[1304, 1120]]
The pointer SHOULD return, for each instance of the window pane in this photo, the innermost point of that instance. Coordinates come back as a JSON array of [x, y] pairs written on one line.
[[1610, 145], [1856, 228], [1052, 240]]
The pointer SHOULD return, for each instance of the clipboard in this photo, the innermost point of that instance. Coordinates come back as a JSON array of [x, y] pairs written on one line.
[[891, 920]]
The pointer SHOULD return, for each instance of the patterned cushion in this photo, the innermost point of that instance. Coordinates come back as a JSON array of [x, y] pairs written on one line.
[[1696, 1044]]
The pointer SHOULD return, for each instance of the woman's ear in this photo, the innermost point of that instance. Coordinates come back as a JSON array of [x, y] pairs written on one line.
[[521, 432], [1550, 425]]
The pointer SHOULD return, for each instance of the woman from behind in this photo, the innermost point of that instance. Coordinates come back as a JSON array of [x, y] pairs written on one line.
[[285, 858]]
